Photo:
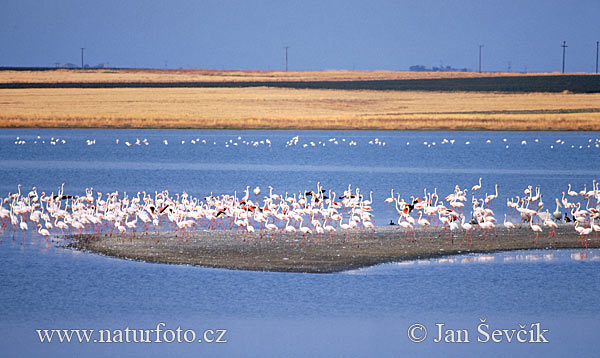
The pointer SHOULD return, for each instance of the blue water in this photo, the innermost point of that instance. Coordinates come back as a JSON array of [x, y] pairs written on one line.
[[359, 313], [200, 169]]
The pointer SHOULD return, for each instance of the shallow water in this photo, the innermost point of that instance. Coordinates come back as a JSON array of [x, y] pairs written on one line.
[[363, 312], [201, 169], [357, 313]]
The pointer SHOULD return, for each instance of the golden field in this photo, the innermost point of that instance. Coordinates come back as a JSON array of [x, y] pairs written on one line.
[[282, 108], [191, 75], [279, 108]]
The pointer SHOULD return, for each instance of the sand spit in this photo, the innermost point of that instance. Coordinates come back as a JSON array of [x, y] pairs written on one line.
[[227, 249]]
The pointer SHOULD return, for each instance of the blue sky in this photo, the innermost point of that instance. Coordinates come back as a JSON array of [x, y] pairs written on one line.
[[361, 35]]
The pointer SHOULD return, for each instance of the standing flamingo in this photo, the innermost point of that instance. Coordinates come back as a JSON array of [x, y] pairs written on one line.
[[291, 230], [552, 225], [583, 232], [330, 229], [271, 227], [536, 228], [476, 187], [305, 231], [23, 226], [346, 228], [510, 227], [424, 223], [390, 199], [407, 227], [368, 225], [45, 233], [468, 229]]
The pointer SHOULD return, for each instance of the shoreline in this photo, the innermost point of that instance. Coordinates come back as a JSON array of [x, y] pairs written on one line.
[[282, 129], [223, 249]]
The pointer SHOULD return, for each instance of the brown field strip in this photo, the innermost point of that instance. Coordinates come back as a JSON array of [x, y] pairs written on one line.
[[284, 108], [278, 108], [197, 75]]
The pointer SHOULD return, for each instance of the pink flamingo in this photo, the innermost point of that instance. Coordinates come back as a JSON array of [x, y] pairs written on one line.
[[510, 227], [305, 231], [45, 233], [552, 225], [536, 228], [291, 230], [424, 223]]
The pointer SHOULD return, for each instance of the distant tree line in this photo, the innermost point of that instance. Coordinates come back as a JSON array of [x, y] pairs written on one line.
[[421, 68], [72, 65]]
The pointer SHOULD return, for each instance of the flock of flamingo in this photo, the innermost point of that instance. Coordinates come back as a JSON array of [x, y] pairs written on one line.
[[314, 214], [238, 141]]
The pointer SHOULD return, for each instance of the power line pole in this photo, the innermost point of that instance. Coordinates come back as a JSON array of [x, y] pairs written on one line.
[[597, 56], [564, 46], [480, 46], [286, 58], [83, 48]]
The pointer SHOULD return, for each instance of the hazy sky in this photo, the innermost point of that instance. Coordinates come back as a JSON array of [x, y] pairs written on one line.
[[350, 34]]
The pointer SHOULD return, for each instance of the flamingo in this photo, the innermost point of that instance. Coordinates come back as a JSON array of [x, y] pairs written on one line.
[[250, 230], [408, 227], [390, 199], [571, 192], [330, 229], [291, 230], [346, 228], [23, 226], [45, 233], [132, 225], [467, 228], [583, 232], [370, 201], [487, 226], [453, 225], [121, 229], [271, 227], [476, 187], [510, 227], [424, 223], [61, 225], [491, 197], [48, 225], [305, 231], [536, 228], [552, 225], [369, 226], [319, 230]]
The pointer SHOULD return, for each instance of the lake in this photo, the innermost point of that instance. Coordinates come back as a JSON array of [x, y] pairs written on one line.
[[365, 312]]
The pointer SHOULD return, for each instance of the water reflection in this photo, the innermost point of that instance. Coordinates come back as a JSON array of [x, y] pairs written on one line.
[[533, 256]]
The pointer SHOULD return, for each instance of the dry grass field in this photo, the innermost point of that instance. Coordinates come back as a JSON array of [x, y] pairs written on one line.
[[191, 75], [282, 108], [293, 108]]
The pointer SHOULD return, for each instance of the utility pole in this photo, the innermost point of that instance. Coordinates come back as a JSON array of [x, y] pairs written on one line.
[[83, 48], [480, 46], [286, 58], [564, 46], [597, 56]]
